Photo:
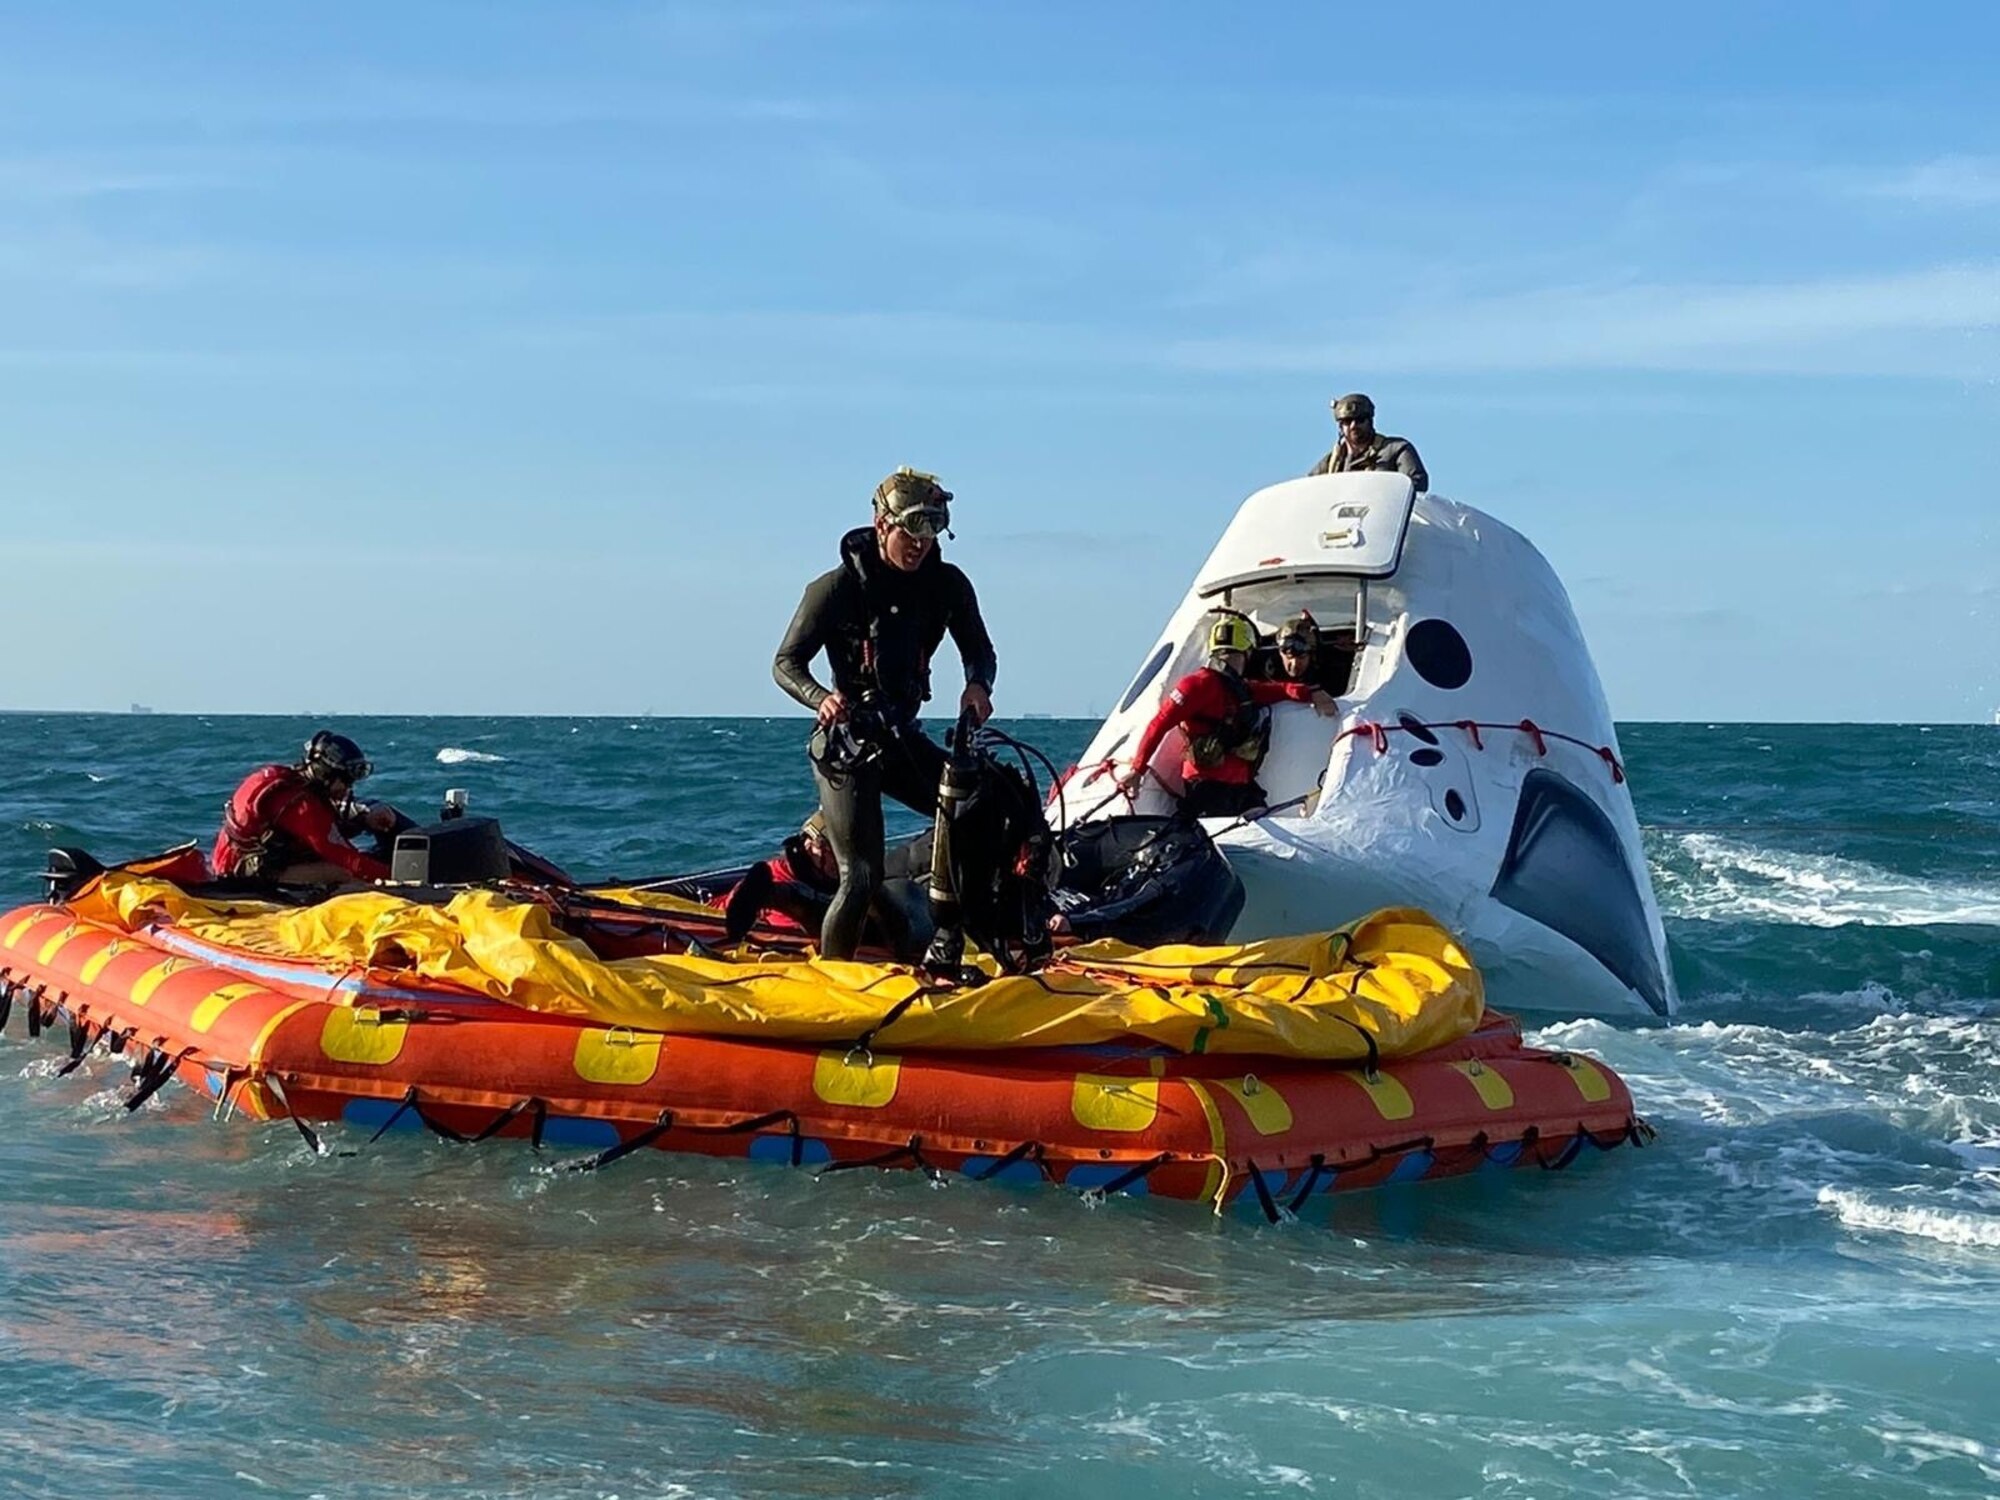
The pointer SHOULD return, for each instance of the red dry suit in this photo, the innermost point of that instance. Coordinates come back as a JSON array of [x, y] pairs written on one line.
[[1227, 707], [278, 818]]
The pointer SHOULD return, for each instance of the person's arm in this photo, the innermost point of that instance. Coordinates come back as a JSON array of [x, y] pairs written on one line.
[[310, 821], [968, 633], [792, 667], [1177, 707], [1268, 690], [1324, 466], [1408, 463]]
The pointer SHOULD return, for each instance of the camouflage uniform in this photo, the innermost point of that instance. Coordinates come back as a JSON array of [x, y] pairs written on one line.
[[1382, 452]]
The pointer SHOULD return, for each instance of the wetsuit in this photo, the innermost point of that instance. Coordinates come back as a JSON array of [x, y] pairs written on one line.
[[879, 627], [279, 819], [1229, 714]]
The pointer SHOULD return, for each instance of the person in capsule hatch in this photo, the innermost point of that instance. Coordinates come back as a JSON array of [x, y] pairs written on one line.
[[293, 825], [1362, 447], [1228, 726], [880, 617]]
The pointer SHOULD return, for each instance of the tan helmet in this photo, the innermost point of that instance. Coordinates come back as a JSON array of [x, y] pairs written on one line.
[[814, 827], [915, 501], [1300, 633], [1353, 405]]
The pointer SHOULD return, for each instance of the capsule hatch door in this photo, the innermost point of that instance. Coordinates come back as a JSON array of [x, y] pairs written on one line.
[[1349, 524]]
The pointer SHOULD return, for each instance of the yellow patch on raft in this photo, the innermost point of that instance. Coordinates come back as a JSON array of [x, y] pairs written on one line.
[[1396, 975]]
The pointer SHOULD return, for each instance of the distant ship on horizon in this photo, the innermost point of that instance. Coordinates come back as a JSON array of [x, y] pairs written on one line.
[[146, 708]]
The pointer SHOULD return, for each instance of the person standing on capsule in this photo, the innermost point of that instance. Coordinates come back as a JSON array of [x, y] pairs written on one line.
[[880, 617], [1362, 447]]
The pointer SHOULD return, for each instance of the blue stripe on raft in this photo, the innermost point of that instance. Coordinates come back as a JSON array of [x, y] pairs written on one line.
[[1022, 1173], [372, 1114], [1502, 1156], [1412, 1167], [778, 1149], [572, 1130], [1277, 1182], [1096, 1176]]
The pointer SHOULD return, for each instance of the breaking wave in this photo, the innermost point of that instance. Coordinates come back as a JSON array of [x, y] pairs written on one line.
[[451, 755], [1713, 878]]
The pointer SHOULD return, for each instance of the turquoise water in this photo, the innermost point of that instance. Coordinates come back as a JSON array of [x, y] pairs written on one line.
[[1793, 1293]]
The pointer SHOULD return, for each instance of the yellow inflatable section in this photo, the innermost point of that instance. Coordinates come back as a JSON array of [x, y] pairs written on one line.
[[1395, 977]]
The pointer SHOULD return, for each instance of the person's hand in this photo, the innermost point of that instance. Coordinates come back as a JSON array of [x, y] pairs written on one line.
[[832, 710], [1130, 779], [976, 701], [380, 818], [1325, 704]]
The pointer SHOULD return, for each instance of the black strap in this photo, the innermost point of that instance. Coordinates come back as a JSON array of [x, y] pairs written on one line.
[[35, 1011], [864, 1043], [625, 1147], [1568, 1153], [411, 1104], [306, 1131], [759, 1122], [79, 1046], [1264, 1199], [152, 1075], [1312, 1181], [912, 1151], [1125, 1179], [1027, 1150], [6, 1000]]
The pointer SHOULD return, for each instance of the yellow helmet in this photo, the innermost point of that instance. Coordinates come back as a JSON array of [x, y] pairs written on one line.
[[1231, 633]]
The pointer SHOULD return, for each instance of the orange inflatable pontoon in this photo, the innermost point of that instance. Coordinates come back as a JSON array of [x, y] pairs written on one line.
[[275, 1036]]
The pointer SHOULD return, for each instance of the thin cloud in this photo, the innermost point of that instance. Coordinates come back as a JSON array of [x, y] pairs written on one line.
[[1948, 182], [1911, 322]]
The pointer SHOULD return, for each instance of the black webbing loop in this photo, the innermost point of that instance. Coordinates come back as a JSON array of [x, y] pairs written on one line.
[[503, 1119], [79, 1046], [638, 1142], [35, 1011], [1026, 1151], [1567, 1154], [1264, 1198], [1312, 1181], [1125, 1179], [411, 1104], [912, 1150], [305, 1131], [153, 1074], [759, 1122], [408, 1102], [1401, 1148], [6, 1003]]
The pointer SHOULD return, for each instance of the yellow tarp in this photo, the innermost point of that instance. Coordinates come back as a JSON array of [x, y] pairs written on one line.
[[1397, 975]]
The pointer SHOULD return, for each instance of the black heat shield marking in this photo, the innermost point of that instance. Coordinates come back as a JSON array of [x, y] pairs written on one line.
[[1565, 868]]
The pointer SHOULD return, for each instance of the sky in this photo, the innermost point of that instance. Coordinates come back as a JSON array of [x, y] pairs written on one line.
[[428, 358]]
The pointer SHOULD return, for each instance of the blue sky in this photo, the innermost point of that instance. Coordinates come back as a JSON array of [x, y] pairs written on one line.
[[429, 358]]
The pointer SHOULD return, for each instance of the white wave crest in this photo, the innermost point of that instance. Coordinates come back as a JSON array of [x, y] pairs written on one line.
[[1857, 1212], [1738, 880], [451, 755]]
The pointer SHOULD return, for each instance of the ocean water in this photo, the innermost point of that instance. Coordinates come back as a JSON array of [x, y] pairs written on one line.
[[1795, 1292]]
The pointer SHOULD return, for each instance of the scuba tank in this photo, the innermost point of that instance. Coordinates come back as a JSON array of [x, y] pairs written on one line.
[[956, 788]]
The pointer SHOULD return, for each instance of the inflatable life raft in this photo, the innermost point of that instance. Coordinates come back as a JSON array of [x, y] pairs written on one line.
[[1260, 1077]]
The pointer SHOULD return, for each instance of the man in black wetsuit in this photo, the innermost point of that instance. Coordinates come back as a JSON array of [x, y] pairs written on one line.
[[880, 617]]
